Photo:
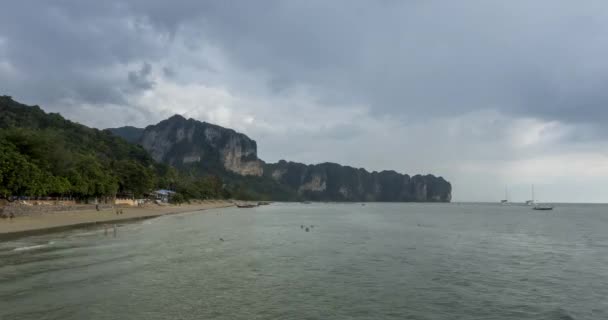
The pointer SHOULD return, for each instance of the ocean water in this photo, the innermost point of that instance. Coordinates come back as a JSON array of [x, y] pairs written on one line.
[[378, 261]]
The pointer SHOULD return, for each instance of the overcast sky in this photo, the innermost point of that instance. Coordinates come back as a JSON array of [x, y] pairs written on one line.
[[486, 94]]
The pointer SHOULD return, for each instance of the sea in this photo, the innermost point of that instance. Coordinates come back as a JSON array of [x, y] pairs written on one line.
[[319, 261]]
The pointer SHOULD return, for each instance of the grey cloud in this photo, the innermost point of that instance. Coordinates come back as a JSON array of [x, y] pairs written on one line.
[[169, 72], [65, 51], [404, 58], [339, 132], [411, 62], [413, 58], [141, 79]]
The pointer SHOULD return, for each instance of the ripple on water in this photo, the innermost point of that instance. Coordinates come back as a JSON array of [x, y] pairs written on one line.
[[388, 261]]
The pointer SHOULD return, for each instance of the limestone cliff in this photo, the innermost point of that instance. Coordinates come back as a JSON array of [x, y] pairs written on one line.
[[187, 143], [179, 141], [333, 182]]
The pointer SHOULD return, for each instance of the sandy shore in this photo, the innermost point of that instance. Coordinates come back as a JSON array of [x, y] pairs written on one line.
[[58, 221]]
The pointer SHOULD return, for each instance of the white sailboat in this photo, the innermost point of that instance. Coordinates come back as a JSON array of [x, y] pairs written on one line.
[[506, 199], [531, 202], [543, 207], [539, 206]]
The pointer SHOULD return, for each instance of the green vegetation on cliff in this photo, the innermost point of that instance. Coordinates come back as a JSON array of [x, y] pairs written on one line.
[[46, 155], [202, 148], [334, 182]]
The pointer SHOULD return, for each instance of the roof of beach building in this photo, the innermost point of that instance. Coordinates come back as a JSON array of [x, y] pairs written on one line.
[[164, 192]]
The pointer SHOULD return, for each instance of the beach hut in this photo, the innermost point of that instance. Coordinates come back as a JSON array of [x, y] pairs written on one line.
[[163, 195]]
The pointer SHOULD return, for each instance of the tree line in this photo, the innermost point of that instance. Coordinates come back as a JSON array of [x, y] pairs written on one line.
[[37, 163], [44, 155]]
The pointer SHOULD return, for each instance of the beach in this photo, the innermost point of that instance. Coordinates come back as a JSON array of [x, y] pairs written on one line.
[[40, 223]]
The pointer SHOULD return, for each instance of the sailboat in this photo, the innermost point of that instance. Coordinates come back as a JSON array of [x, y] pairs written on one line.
[[540, 206], [543, 207], [506, 199], [531, 202]]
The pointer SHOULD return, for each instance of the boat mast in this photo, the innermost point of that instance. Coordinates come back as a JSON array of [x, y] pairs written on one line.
[[533, 194]]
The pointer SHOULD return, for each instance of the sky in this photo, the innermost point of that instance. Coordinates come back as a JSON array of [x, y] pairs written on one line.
[[487, 94]]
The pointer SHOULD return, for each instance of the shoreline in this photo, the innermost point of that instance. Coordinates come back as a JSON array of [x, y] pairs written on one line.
[[66, 220]]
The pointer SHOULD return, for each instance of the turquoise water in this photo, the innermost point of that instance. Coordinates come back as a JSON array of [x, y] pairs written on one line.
[[379, 261]]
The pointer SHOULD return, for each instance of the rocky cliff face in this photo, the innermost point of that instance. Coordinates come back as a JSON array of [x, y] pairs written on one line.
[[178, 141], [333, 182]]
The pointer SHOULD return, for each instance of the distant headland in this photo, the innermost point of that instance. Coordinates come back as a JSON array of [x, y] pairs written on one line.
[[43, 154]]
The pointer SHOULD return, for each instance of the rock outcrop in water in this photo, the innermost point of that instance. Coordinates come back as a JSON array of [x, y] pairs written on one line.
[[187, 143]]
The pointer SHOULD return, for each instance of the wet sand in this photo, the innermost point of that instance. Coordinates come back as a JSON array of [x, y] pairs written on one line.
[[57, 221]]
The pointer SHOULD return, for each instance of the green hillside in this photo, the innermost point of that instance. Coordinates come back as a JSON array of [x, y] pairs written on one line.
[[46, 155], [43, 154]]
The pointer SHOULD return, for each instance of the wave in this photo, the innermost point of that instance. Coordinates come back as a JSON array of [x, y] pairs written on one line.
[[34, 247], [560, 314]]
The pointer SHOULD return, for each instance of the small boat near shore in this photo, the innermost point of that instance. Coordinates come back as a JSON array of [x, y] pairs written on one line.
[[246, 205]]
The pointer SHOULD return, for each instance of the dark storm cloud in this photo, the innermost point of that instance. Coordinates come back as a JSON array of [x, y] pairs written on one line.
[[141, 79], [413, 59], [501, 90], [433, 57], [65, 50], [540, 59]]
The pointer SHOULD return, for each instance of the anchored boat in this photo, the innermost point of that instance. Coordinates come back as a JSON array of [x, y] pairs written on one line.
[[246, 205], [532, 201], [506, 199], [538, 206], [543, 207]]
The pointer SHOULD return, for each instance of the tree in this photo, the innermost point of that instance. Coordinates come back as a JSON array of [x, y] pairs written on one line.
[[90, 179], [168, 177], [177, 198], [18, 177], [133, 177]]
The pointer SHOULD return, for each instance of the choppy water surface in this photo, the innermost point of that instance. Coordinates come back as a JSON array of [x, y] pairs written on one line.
[[379, 261]]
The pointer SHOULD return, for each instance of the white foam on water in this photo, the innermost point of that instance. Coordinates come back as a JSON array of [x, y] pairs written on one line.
[[153, 220], [34, 247], [84, 234]]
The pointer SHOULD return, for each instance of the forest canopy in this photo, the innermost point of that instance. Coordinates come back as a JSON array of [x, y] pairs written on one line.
[[46, 155]]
